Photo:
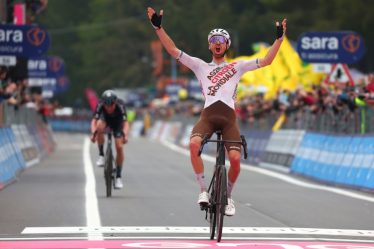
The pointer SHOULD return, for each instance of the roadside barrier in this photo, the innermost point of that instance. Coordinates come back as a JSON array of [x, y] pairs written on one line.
[[26, 144], [340, 160], [24, 141], [281, 147], [333, 159], [11, 159], [257, 142], [70, 125]]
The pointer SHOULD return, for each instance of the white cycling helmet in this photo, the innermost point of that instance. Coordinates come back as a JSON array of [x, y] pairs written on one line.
[[220, 32]]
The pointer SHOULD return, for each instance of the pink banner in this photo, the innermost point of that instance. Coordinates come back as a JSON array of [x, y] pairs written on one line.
[[92, 98], [19, 14]]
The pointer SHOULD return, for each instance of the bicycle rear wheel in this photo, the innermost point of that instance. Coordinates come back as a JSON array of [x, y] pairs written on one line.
[[108, 171], [221, 183]]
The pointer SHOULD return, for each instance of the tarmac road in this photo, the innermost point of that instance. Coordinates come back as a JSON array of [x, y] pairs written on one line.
[[64, 197]]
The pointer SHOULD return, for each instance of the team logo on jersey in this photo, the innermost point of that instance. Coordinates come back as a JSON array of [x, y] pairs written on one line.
[[219, 76]]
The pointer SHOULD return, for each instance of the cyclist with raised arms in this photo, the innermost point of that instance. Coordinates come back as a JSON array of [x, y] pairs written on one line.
[[218, 80], [111, 112]]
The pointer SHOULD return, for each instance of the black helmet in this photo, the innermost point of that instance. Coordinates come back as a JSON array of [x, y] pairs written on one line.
[[109, 97]]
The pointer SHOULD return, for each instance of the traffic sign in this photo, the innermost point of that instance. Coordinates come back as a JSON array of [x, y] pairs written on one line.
[[340, 74]]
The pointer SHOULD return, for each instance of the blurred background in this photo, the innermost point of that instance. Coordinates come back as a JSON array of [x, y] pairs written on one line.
[[72, 51]]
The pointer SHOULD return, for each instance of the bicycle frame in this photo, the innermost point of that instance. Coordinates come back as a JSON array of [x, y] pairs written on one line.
[[218, 185]]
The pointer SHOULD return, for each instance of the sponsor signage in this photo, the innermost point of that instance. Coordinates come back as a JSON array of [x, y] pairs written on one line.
[[43, 67], [63, 84], [321, 67], [49, 73], [23, 40], [331, 47], [8, 60]]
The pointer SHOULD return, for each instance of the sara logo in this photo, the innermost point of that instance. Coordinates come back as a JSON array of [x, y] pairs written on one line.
[[55, 64], [351, 42], [23, 40], [36, 36], [345, 47], [46, 67]]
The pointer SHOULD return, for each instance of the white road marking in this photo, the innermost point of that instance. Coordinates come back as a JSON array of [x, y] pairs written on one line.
[[92, 209], [197, 230], [190, 238], [279, 176]]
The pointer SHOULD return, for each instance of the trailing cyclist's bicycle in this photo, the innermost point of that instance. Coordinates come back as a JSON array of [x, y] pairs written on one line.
[[108, 164], [217, 190]]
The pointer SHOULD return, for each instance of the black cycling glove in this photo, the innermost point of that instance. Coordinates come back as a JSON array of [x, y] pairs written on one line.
[[280, 33], [156, 20]]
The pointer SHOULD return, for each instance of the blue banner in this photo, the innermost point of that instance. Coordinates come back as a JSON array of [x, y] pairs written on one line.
[[45, 67], [23, 40], [331, 47], [63, 84]]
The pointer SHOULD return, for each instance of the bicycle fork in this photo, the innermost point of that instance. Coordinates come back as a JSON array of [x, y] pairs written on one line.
[[208, 207]]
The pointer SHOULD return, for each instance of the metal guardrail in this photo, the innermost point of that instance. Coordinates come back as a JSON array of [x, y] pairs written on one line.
[[344, 121]]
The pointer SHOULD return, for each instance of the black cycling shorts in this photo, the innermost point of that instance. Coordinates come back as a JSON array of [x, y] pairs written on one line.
[[219, 116], [115, 124]]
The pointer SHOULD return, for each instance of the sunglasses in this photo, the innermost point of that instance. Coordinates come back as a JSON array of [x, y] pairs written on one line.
[[217, 39]]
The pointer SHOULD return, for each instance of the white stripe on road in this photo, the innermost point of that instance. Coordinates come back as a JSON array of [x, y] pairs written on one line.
[[110, 237], [197, 230], [279, 176], [92, 209]]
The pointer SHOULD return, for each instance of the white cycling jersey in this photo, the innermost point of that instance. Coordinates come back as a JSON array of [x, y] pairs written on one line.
[[218, 82]]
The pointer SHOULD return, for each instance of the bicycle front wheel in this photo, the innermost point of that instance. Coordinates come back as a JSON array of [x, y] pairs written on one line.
[[108, 171], [221, 188], [212, 213]]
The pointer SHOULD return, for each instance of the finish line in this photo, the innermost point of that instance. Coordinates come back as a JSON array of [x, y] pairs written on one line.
[[178, 244], [198, 230]]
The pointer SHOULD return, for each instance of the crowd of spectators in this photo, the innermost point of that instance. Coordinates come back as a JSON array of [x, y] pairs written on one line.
[[325, 107], [16, 93], [337, 105]]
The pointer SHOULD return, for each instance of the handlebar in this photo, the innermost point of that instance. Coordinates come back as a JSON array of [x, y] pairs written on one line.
[[107, 131], [206, 139]]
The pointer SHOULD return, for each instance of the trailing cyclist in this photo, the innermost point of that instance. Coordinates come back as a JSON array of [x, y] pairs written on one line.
[[219, 80], [111, 112]]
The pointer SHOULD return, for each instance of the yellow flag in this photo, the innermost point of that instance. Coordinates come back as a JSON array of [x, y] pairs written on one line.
[[286, 72]]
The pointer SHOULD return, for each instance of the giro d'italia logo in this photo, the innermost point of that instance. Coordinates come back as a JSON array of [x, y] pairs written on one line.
[[351, 43], [36, 36]]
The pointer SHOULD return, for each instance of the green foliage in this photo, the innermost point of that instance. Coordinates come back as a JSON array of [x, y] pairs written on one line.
[[106, 43]]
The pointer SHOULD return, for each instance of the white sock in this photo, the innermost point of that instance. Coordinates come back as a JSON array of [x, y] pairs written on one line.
[[230, 186], [200, 179]]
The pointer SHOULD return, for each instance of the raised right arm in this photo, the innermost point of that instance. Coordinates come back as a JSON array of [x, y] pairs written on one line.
[[165, 39]]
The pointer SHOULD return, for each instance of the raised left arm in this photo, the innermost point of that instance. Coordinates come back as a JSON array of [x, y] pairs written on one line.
[[269, 57]]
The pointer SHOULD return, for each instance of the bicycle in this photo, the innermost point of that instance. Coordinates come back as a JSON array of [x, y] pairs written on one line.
[[108, 163], [108, 166], [218, 185]]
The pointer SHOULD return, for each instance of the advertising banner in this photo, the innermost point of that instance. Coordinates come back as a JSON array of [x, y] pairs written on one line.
[[331, 47], [23, 40], [45, 67]]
